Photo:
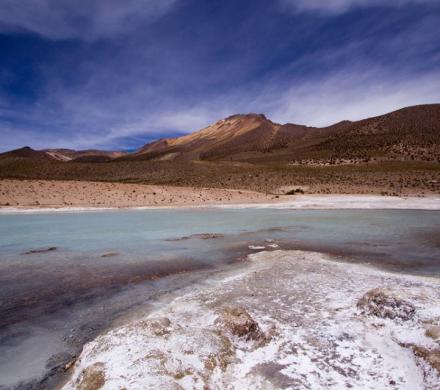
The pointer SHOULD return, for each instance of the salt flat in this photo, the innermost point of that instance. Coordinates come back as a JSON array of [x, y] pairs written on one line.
[[310, 332], [30, 196]]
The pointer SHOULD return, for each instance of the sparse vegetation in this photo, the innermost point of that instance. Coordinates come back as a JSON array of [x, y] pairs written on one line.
[[412, 176], [393, 154], [295, 191]]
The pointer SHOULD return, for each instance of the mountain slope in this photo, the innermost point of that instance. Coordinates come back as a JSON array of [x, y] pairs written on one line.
[[26, 152], [412, 133], [409, 133], [389, 154], [233, 135], [89, 155]]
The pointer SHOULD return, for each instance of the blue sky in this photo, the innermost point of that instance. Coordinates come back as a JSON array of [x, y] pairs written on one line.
[[116, 74]]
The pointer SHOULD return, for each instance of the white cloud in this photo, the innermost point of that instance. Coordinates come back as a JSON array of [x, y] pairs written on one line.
[[340, 6], [156, 124], [348, 95], [139, 95], [352, 93], [84, 19]]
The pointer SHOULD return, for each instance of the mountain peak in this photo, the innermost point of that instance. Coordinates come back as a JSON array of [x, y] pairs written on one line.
[[250, 115], [25, 151], [406, 132]]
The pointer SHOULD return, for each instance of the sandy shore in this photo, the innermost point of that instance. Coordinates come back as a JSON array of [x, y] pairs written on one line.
[[65, 194], [354, 201], [42, 195], [290, 319]]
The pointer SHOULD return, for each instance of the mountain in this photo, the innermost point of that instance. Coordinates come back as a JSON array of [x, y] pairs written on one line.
[[90, 155], [25, 152], [409, 133], [375, 155], [412, 133], [225, 138], [63, 155]]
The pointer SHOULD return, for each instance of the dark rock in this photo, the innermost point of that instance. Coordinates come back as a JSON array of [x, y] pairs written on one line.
[[69, 364], [207, 236], [237, 321], [40, 250], [384, 304], [201, 236], [430, 356], [433, 331], [156, 326], [92, 378], [110, 254]]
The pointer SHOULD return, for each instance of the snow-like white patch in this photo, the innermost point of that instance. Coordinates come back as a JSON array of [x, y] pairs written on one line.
[[320, 202], [256, 247], [316, 337], [45, 210], [348, 202]]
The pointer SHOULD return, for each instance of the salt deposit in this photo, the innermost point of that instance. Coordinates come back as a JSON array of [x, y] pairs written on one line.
[[308, 331]]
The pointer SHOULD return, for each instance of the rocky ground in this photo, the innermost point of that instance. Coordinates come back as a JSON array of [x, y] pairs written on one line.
[[45, 193], [376, 177], [25, 195], [287, 319]]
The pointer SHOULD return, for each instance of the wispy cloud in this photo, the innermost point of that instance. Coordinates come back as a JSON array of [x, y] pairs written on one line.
[[134, 80], [350, 93], [340, 6], [353, 95], [83, 19]]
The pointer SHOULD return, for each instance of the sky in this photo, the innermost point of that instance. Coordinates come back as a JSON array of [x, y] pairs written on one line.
[[115, 74]]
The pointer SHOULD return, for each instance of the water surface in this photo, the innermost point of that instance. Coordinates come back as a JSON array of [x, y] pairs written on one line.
[[108, 263]]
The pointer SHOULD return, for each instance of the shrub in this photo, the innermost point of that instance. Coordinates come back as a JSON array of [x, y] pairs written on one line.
[[295, 191]]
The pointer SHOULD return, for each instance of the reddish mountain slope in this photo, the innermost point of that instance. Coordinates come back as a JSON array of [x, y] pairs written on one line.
[[233, 135], [89, 155], [410, 133], [26, 152]]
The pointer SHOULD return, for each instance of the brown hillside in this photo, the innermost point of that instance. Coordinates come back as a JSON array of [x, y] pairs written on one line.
[[399, 151], [83, 155], [25, 152], [412, 132], [409, 133], [225, 138]]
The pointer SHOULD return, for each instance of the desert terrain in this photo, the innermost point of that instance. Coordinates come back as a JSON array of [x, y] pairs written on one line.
[[51, 193], [397, 154], [291, 319], [34, 195]]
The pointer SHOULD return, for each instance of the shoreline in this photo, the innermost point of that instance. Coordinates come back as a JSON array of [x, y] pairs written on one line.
[[52, 194], [40, 196], [309, 331], [300, 202], [244, 241]]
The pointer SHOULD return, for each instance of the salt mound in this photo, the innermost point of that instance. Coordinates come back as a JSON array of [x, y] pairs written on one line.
[[308, 305], [383, 303], [237, 321]]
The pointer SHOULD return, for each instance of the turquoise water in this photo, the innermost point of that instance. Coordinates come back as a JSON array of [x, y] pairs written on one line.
[[52, 302]]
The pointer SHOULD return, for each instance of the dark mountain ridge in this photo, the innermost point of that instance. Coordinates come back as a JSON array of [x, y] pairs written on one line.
[[408, 133]]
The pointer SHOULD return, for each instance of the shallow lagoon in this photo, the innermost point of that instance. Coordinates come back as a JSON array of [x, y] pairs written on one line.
[[53, 302]]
